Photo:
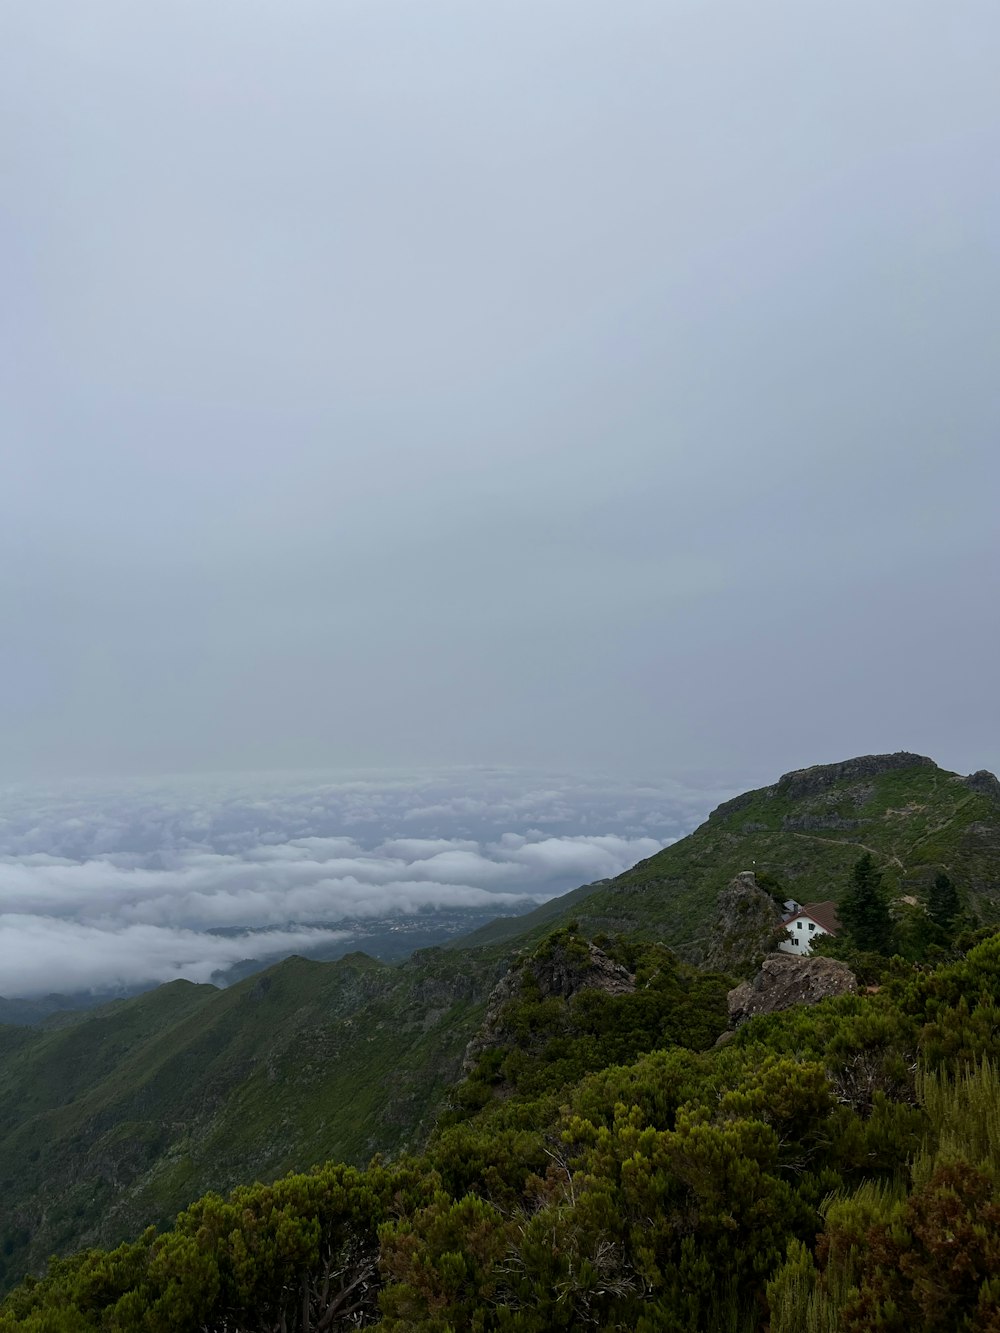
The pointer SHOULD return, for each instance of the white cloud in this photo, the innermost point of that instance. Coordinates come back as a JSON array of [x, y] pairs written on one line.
[[417, 849], [118, 887], [39, 954], [598, 857]]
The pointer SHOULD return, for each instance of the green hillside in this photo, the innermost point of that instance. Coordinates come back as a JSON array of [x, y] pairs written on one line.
[[830, 1168], [530, 924], [126, 1116], [806, 831], [128, 1113]]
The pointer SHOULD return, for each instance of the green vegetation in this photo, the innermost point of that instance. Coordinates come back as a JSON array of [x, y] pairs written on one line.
[[803, 835], [943, 906], [864, 912], [833, 1167], [541, 1042], [126, 1116], [926, 1255], [119, 1118]]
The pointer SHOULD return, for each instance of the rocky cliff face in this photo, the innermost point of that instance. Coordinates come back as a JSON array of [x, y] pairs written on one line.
[[572, 965], [784, 980], [802, 783], [984, 783], [745, 926]]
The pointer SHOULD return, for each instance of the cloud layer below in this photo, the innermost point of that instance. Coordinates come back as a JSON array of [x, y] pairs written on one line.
[[121, 888]]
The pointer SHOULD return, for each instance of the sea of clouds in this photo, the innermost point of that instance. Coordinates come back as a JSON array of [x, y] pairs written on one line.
[[126, 885]]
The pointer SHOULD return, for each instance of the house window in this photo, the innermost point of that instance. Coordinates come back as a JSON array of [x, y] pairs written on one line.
[[798, 925], [811, 926]]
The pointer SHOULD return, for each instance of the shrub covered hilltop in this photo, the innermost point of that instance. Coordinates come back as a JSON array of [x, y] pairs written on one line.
[[607, 1162], [829, 1168]]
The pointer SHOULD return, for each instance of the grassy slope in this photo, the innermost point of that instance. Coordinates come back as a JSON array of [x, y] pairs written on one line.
[[127, 1115], [543, 919], [808, 830]]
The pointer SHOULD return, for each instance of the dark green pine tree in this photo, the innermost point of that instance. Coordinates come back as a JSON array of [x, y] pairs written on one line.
[[863, 910], [943, 906]]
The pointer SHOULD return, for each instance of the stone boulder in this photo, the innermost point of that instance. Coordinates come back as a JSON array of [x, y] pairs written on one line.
[[784, 980]]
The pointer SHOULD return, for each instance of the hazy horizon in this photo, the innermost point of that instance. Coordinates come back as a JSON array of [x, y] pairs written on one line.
[[114, 886]]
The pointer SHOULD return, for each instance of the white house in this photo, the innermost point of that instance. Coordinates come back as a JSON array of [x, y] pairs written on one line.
[[807, 924]]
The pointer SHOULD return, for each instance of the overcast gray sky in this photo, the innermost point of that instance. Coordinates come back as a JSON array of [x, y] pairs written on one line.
[[572, 383]]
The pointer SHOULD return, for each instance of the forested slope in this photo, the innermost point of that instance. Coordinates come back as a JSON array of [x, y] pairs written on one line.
[[828, 1168], [129, 1114]]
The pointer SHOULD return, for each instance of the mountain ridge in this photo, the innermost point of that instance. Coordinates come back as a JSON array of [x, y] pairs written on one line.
[[806, 830], [124, 1116]]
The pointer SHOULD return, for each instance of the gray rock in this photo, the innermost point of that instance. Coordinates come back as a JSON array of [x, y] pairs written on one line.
[[746, 922], [784, 980], [812, 823], [802, 782], [984, 783], [809, 781]]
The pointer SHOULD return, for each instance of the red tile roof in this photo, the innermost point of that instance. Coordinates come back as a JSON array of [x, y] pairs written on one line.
[[824, 914]]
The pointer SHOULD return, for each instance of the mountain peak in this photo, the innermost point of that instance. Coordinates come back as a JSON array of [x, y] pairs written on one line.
[[802, 782], [806, 781], [984, 782]]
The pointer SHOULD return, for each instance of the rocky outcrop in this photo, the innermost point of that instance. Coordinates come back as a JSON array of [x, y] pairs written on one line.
[[814, 823], [572, 965], [808, 781], [746, 922], [804, 782], [984, 783], [576, 966], [784, 980]]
